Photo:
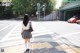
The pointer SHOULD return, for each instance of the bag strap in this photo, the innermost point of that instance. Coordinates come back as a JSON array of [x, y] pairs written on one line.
[[30, 24]]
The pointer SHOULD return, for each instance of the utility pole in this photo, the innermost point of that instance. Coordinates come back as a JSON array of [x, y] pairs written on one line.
[[43, 9], [38, 11]]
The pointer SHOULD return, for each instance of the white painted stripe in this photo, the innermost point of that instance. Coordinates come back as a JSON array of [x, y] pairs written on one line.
[[6, 27], [18, 36], [14, 38], [70, 39], [34, 34], [77, 25], [1, 24], [41, 34], [64, 35], [8, 34]]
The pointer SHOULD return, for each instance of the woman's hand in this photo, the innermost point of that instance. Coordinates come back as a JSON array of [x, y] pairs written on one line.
[[22, 30]]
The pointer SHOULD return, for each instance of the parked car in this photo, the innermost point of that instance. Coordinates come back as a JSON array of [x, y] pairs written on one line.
[[78, 22], [72, 20]]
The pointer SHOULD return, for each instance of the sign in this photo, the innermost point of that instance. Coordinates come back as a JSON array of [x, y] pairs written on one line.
[[43, 9], [65, 0], [70, 0], [37, 13]]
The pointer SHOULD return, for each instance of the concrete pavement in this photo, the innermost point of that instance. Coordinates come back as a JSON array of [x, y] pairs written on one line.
[[6, 26], [43, 41]]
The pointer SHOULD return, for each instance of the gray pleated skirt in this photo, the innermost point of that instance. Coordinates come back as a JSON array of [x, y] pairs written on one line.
[[26, 34]]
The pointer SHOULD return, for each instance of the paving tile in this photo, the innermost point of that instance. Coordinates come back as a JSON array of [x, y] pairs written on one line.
[[64, 46], [14, 49], [70, 51], [76, 49]]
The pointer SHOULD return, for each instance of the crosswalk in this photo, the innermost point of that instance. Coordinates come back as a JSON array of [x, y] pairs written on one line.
[[13, 38], [43, 40], [6, 27]]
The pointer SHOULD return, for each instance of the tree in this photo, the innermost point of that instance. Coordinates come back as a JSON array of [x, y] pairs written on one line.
[[0, 0], [30, 6]]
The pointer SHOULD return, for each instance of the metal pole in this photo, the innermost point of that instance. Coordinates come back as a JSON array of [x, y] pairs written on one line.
[[64, 15], [44, 9], [44, 12], [37, 14], [38, 11]]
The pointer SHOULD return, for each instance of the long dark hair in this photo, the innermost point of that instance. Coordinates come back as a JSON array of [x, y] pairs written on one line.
[[26, 19]]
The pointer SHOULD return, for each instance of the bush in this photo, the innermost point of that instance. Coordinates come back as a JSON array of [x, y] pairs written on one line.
[[6, 12]]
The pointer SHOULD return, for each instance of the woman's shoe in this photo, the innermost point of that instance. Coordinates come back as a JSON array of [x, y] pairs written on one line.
[[27, 49]]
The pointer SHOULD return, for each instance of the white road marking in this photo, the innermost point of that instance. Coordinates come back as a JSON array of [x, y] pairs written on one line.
[[78, 25], [6, 27], [14, 38], [8, 34], [65, 35], [1, 24]]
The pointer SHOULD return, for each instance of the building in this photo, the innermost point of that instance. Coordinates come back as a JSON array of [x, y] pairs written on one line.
[[6, 2], [69, 9], [69, 1]]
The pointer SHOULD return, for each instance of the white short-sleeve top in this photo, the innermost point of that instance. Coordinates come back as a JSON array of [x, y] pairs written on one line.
[[26, 27]]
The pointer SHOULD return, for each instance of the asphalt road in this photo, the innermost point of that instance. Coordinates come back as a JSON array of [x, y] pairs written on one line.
[[6, 26], [67, 32], [60, 29], [47, 33]]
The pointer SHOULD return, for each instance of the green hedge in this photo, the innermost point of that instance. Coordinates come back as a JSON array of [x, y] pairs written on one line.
[[6, 12]]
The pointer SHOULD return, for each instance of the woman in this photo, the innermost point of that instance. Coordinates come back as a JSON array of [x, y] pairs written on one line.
[[26, 34]]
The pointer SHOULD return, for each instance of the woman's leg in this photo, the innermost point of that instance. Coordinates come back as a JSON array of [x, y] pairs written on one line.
[[27, 43]]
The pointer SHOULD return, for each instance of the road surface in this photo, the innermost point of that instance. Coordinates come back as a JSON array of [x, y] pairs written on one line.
[[48, 37]]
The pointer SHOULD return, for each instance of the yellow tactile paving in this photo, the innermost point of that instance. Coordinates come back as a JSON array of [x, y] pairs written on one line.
[[64, 46], [47, 45], [41, 45], [70, 51], [21, 48], [76, 49], [58, 48], [14, 49]]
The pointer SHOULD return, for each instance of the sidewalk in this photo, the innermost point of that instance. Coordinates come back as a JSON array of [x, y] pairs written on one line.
[[40, 46], [43, 41]]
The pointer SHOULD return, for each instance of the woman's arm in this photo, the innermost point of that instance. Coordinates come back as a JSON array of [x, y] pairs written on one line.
[[22, 28]]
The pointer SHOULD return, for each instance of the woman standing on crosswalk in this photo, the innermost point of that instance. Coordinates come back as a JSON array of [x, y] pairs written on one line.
[[26, 31]]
